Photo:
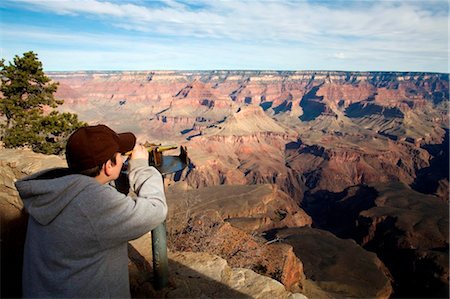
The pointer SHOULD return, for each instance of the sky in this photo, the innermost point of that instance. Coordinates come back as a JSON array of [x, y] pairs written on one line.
[[77, 35]]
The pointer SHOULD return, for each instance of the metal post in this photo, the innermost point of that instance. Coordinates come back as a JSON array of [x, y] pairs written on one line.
[[165, 165], [159, 251]]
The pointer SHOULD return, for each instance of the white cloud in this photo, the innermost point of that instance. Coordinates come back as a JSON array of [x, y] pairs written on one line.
[[381, 30], [339, 55], [279, 20]]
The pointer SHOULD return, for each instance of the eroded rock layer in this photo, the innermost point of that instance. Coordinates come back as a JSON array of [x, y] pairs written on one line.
[[305, 130]]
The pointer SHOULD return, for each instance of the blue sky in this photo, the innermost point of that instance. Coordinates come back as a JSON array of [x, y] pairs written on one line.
[[235, 34]]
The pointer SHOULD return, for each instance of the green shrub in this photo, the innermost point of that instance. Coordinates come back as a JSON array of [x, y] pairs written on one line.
[[25, 92]]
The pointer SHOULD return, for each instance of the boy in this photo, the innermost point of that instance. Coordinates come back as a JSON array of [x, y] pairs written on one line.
[[79, 226]]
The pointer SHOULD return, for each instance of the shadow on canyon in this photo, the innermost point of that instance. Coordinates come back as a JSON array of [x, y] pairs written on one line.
[[338, 212], [415, 259], [427, 180]]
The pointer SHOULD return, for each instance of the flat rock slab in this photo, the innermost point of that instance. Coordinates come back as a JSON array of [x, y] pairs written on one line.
[[202, 275]]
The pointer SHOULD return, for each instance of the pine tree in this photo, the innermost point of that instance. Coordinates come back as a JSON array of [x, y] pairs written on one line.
[[25, 93]]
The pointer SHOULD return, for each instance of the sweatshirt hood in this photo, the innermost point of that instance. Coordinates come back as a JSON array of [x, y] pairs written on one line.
[[46, 193]]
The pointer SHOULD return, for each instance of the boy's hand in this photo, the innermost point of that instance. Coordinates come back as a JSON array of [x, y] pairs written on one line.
[[139, 152]]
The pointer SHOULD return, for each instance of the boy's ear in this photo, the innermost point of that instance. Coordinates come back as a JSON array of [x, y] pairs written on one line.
[[107, 167]]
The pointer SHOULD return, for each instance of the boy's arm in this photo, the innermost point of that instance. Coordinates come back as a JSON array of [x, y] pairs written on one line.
[[122, 218]]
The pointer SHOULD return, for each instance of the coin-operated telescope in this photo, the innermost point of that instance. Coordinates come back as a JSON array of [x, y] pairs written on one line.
[[165, 164]]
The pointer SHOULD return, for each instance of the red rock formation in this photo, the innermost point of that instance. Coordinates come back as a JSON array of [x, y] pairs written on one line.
[[371, 125]]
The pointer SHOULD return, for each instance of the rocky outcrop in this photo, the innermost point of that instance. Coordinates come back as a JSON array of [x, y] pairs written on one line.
[[225, 220], [235, 282], [199, 275], [208, 233]]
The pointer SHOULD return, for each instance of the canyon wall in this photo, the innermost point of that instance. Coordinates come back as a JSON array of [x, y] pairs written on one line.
[[304, 130]]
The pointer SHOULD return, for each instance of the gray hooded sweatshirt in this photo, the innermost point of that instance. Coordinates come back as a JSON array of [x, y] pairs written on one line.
[[78, 229]]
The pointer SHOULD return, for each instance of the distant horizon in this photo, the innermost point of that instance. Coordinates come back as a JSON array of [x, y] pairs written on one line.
[[291, 35], [246, 70]]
